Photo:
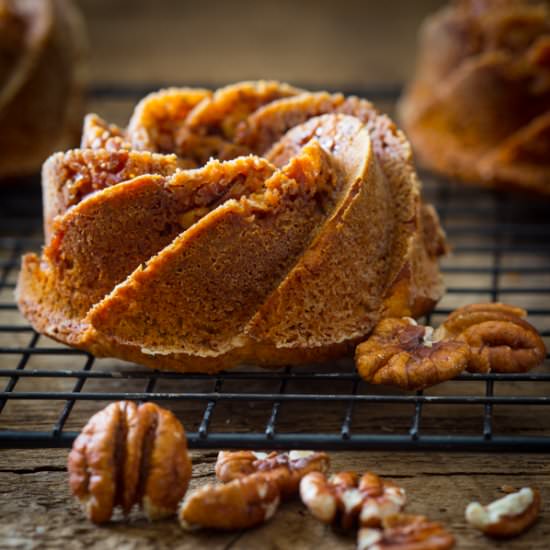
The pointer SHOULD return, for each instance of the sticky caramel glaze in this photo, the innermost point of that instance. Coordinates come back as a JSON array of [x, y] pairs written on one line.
[[69, 177], [198, 297], [413, 281], [220, 113], [210, 129], [269, 123], [124, 225], [243, 258], [301, 312], [118, 328], [99, 134], [159, 116]]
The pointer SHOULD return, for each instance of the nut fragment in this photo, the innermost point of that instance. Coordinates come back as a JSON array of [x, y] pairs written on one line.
[[499, 338], [402, 353], [285, 469], [232, 465], [239, 504], [347, 500], [405, 532], [508, 516], [127, 455]]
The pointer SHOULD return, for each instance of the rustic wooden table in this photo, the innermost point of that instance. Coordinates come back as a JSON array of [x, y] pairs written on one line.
[[337, 44]]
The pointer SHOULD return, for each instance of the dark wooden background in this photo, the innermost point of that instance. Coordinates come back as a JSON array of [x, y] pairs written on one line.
[[322, 42]]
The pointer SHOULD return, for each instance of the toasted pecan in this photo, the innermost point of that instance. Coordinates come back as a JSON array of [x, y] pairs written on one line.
[[506, 517], [285, 469], [402, 353], [347, 500], [130, 454], [239, 504], [500, 339]]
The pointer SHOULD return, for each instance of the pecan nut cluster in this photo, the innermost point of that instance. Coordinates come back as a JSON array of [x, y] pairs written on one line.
[[480, 338], [252, 487], [285, 469], [347, 500], [402, 353], [499, 337], [129, 455], [373, 505], [506, 517]]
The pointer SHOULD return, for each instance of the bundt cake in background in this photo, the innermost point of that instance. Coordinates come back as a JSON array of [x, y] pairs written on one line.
[[259, 223], [478, 107], [41, 82]]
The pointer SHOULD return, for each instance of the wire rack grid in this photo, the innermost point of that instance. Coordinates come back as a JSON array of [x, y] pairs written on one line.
[[500, 251]]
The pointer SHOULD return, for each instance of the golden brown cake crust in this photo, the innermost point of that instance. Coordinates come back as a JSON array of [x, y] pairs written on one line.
[[150, 210], [478, 108], [289, 258], [301, 312], [221, 270], [71, 176]]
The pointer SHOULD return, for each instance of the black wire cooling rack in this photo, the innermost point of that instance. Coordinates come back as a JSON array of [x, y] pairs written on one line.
[[501, 251]]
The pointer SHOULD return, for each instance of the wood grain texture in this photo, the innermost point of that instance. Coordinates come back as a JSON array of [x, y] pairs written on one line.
[[325, 44], [38, 511]]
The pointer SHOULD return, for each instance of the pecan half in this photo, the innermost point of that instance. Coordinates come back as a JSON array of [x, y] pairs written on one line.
[[127, 455], [285, 469], [239, 504], [508, 516], [346, 500], [405, 532], [499, 337], [402, 353]]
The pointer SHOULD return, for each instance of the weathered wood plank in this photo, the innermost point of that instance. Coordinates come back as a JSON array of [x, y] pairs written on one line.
[[38, 511]]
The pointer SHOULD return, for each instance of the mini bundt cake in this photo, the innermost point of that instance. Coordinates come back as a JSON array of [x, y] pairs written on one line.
[[260, 223], [478, 108], [42, 50]]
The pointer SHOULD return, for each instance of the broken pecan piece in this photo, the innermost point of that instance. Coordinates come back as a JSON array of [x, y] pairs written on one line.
[[239, 504], [285, 469], [127, 455], [499, 337], [405, 532], [508, 516], [402, 353], [346, 500]]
